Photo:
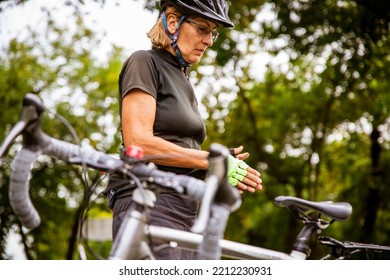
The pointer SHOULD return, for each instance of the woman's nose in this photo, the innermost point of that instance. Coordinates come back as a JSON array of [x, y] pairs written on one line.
[[208, 40]]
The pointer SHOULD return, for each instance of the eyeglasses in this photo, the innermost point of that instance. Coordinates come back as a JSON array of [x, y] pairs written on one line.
[[203, 30]]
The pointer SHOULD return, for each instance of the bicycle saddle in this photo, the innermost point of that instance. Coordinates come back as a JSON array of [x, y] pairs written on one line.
[[338, 211]]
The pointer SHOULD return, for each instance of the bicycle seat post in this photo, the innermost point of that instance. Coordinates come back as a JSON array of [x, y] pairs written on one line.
[[302, 242]]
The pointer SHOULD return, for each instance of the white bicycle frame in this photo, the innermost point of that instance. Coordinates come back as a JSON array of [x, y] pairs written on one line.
[[135, 236], [230, 249], [135, 233]]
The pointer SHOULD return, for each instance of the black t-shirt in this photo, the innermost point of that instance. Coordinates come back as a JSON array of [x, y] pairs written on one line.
[[177, 115]]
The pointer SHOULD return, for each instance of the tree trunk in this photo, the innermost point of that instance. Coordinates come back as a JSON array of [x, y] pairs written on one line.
[[372, 199]]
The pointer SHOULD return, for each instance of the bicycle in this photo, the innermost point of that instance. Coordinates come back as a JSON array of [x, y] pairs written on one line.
[[217, 200]]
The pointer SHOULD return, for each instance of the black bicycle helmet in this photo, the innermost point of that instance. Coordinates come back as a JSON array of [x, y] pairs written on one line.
[[214, 10]]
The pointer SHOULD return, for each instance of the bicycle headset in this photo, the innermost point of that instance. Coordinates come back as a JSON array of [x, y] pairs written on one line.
[[213, 10]]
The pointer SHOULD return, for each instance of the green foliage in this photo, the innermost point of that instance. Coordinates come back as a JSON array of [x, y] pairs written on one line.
[[317, 125], [74, 84]]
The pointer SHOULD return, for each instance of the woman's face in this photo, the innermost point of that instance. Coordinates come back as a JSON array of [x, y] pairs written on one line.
[[195, 37]]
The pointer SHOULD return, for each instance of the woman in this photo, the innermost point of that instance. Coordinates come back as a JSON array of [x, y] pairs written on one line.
[[159, 110]]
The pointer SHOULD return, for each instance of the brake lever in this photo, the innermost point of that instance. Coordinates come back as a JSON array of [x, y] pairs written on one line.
[[218, 190], [31, 111], [226, 194]]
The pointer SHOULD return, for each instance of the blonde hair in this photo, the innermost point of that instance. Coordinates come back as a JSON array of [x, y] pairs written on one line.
[[157, 33]]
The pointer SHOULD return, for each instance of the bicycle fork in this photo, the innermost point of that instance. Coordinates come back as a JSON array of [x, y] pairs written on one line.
[[130, 243]]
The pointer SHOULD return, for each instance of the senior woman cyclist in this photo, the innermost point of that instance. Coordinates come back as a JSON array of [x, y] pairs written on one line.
[[159, 112]]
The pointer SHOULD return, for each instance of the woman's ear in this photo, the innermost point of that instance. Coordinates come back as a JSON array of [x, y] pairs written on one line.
[[172, 23]]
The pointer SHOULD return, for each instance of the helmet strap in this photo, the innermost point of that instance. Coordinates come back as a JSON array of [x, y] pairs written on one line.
[[173, 38]]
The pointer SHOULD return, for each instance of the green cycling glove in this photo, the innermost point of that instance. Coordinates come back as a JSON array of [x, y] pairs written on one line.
[[237, 170]]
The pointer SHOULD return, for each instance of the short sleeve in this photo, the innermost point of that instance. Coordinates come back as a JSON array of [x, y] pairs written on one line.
[[139, 71]]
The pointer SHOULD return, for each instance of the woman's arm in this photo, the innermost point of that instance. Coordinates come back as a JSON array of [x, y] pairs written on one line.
[[138, 115]]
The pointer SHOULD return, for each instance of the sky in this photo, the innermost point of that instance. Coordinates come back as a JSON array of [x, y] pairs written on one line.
[[125, 25]]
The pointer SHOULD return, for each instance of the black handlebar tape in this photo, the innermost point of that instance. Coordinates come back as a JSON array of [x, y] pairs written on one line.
[[19, 188]]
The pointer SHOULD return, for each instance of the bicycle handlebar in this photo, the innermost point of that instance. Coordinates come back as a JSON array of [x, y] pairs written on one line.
[[214, 190]]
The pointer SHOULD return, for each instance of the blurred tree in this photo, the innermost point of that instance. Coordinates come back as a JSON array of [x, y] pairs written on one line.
[[329, 92], [73, 83]]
